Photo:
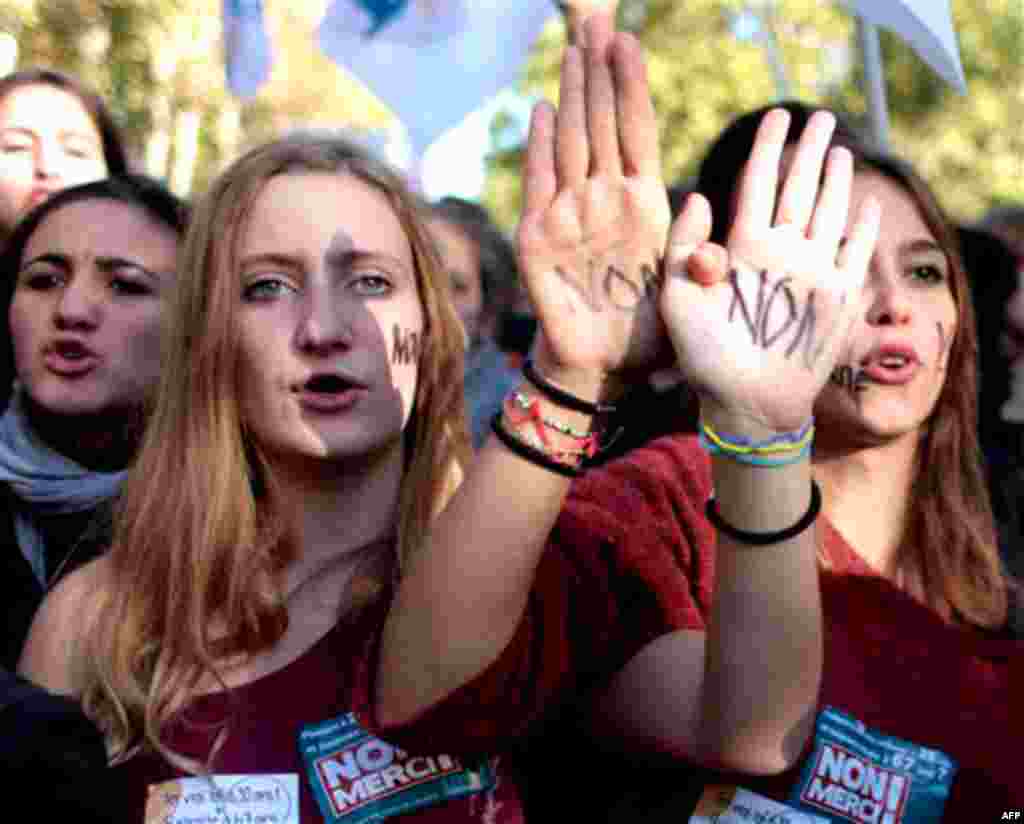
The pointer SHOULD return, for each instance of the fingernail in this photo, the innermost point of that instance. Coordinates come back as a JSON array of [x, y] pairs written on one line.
[[678, 254], [714, 252]]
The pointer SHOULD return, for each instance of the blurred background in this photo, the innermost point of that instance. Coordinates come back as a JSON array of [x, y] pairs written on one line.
[[160, 64]]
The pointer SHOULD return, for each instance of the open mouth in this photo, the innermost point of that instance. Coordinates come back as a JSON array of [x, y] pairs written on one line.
[[71, 350], [327, 384], [891, 368], [330, 393], [70, 358]]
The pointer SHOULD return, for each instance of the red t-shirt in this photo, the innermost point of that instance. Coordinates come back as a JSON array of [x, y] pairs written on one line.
[[267, 715], [632, 557]]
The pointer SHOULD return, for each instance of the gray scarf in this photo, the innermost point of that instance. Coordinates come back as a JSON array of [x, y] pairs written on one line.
[[44, 482]]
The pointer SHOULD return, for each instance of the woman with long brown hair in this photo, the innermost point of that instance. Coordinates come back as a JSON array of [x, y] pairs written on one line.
[[670, 569], [88, 274]]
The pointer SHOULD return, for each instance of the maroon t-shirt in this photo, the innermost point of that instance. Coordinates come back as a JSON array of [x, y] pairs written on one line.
[[267, 715], [632, 557]]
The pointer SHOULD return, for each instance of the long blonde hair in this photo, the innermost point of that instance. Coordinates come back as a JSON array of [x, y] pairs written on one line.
[[201, 536]]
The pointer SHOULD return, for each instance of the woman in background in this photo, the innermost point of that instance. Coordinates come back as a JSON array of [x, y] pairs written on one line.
[[481, 265], [87, 275], [54, 133]]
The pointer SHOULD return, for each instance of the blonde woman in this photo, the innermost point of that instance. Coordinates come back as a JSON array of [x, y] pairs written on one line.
[[303, 436]]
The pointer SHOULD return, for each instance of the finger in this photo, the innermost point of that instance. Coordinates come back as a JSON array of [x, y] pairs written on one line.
[[829, 220], [539, 180], [638, 124], [709, 264], [855, 255], [600, 96], [755, 203], [572, 155], [691, 228], [799, 192]]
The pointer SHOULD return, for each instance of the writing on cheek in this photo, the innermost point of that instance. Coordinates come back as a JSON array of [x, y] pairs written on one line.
[[777, 317], [407, 345], [849, 378], [612, 286], [945, 343]]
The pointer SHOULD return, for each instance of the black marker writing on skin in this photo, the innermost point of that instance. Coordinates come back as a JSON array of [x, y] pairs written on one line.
[[848, 378], [653, 277], [613, 286], [584, 295], [408, 345], [767, 327], [621, 292], [944, 343]]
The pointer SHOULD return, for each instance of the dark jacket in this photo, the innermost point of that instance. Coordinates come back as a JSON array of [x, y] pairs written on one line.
[[47, 738], [71, 540]]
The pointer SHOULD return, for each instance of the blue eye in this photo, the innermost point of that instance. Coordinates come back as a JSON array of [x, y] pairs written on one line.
[[266, 289], [371, 285]]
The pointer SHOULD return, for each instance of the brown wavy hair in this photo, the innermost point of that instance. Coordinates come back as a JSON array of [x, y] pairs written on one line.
[[202, 535], [950, 537]]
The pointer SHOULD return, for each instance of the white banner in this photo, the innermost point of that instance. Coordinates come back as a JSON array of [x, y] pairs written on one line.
[[432, 62]]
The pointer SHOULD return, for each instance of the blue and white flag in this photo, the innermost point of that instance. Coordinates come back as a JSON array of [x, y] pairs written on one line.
[[926, 26], [247, 48], [432, 62]]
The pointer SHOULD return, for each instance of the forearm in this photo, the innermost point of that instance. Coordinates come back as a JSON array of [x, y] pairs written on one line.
[[739, 693], [763, 651], [465, 592]]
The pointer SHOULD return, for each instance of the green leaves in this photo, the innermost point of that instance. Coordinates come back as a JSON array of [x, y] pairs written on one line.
[[970, 148]]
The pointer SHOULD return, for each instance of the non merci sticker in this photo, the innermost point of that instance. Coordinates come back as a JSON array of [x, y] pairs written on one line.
[[357, 778], [858, 774]]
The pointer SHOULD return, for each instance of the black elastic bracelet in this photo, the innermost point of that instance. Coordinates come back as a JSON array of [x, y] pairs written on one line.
[[524, 450], [765, 538], [560, 396]]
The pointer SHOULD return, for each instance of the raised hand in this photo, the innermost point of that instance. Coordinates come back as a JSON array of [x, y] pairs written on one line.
[[595, 215], [759, 340]]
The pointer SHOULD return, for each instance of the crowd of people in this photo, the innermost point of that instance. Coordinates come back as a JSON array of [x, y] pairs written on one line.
[[327, 503]]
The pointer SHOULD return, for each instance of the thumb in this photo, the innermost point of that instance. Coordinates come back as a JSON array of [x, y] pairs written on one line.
[[690, 229], [708, 264], [689, 251]]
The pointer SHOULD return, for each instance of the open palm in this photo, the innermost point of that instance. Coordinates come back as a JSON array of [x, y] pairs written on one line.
[[595, 217], [761, 340]]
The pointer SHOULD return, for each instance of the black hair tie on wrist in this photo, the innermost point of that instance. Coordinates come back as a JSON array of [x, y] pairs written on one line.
[[765, 538], [560, 396], [527, 452]]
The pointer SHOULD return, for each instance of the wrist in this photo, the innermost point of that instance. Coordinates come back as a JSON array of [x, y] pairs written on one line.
[[740, 424], [757, 499], [589, 384]]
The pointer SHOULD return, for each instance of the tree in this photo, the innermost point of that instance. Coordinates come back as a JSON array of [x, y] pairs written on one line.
[[702, 75], [159, 65]]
